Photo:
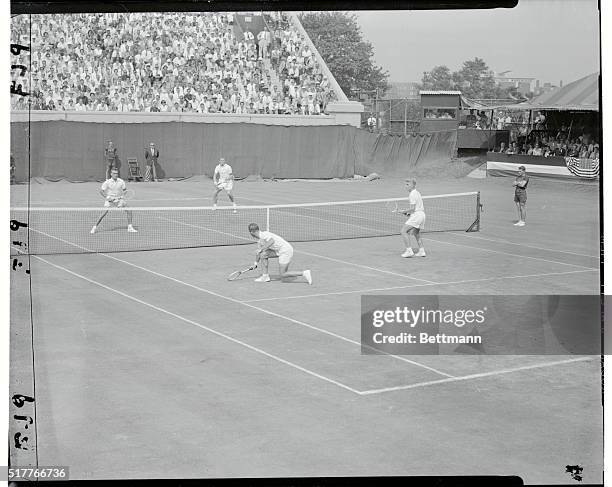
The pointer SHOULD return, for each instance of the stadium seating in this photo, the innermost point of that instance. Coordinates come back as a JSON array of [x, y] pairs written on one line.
[[168, 62]]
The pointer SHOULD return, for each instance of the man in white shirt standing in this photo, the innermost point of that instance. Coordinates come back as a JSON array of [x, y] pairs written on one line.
[[416, 220], [223, 178], [271, 245], [113, 191]]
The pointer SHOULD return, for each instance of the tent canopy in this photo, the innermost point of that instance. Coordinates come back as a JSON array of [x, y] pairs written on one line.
[[580, 95]]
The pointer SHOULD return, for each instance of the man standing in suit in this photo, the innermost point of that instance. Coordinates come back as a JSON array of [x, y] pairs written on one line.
[[110, 154], [151, 155]]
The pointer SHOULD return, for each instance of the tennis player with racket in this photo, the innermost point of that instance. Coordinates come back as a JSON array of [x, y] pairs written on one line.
[[115, 193], [223, 178], [416, 218], [272, 245]]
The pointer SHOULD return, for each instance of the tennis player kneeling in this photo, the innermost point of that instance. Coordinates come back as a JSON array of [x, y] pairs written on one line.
[[271, 245]]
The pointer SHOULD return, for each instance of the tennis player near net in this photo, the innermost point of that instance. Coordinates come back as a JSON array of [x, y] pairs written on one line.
[[224, 181], [112, 191], [416, 220], [272, 245]]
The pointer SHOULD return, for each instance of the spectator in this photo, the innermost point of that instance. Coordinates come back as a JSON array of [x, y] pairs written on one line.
[[502, 148], [110, 155], [513, 149], [151, 155]]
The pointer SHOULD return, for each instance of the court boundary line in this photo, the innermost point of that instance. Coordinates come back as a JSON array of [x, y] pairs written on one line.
[[508, 253], [234, 300], [507, 242], [199, 325], [407, 286], [355, 264], [474, 376]]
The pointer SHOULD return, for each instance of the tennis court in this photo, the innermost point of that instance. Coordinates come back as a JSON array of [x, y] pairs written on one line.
[[151, 364]]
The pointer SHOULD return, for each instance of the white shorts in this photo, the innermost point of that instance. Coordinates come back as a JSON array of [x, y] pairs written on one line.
[[416, 220], [226, 185], [285, 256], [120, 203]]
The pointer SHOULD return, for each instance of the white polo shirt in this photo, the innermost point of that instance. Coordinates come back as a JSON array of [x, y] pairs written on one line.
[[113, 188], [415, 198], [224, 172], [280, 245]]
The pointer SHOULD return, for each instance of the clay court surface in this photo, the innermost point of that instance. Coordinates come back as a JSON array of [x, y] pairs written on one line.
[[152, 364]]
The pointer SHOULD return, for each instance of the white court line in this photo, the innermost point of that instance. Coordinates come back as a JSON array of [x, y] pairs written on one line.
[[523, 245], [522, 256], [221, 296], [366, 267], [465, 281], [199, 325], [474, 376]]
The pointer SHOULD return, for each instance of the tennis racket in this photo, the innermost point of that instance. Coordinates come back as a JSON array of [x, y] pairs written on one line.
[[127, 195], [392, 206], [236, 274]]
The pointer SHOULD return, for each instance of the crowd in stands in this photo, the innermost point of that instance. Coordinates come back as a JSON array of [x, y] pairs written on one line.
[[538, 144], [168, 62], [502, 120]]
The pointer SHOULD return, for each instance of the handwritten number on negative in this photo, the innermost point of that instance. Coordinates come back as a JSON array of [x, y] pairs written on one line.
[[19, 441], [19, 400], [15, 224], [18, 89], [17, 48]]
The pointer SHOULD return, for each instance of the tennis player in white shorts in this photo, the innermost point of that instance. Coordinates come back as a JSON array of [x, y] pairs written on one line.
[[113, 190], [415, 222], [224, 181], [272, 245]]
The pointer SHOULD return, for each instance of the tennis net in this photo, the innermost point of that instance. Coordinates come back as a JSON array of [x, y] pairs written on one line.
[[67, 230]]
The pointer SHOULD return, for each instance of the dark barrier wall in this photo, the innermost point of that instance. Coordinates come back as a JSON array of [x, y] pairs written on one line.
[[481, 139], [396, 155], [75, 150]]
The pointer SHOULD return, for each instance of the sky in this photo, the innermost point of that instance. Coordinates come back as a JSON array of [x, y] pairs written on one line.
[[550, 40]]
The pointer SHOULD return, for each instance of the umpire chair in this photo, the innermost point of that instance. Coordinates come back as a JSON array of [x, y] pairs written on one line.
[[134, 169]]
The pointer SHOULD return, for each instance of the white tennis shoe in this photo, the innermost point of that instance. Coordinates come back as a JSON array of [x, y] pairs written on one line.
[[308, 276], [93, 229], [408, 253], [519, 223], [263, 278], [421, 253], [131, 229]]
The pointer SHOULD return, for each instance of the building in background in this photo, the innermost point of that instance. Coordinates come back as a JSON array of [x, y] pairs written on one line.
[[523, 85]]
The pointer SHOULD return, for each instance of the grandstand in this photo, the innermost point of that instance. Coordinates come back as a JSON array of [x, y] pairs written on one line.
[[173, 62]]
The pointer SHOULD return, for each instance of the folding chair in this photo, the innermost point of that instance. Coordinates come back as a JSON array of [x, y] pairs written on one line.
[[134, 169]]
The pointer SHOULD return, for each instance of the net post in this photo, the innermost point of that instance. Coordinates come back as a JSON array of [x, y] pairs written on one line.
[[475, 227], [267, 219]]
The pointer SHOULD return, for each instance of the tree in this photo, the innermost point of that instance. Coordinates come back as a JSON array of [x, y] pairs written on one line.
[[350, 58], [476, 79], [439, 78]]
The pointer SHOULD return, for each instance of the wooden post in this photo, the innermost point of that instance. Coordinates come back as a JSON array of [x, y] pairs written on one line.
[[405, 116]]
